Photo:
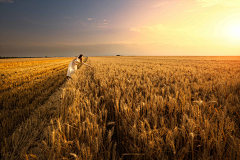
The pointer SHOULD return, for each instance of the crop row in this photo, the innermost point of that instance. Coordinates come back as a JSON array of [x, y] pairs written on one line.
[[19, 75], [173, 112], [23, 63], [143, 108], [15, 82], [25, 94]]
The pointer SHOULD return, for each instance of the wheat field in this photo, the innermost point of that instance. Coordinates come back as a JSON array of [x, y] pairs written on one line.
[[25, 84], [138, 108]]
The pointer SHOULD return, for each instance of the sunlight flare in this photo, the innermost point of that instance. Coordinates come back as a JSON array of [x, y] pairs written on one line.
[[234, 31]]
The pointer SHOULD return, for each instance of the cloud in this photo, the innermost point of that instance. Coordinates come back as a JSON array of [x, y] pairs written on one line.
[[67, 17], [170, 35], [226, 3], [105, 20], [90, 19], [143, 29], [6, 1], [207, 3], [102, 26], [161, 4], [191, 10], [136, 30]]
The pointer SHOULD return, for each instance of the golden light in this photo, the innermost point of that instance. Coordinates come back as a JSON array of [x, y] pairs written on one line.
[[234, 31], [232, 28]]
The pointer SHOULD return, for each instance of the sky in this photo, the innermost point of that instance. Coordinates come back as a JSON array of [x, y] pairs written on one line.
[[39, 28]]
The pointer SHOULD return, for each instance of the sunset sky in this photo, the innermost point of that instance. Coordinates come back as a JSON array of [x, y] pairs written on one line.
[[125, 27]]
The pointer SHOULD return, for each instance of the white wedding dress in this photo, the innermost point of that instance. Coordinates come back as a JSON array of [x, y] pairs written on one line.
[[72, 67]]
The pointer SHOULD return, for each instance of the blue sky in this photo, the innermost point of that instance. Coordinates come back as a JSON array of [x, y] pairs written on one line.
[[110, 27]]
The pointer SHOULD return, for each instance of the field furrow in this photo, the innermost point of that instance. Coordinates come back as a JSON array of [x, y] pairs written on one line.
[[138, 108], [9, 84], [26, 89], [150, 108]]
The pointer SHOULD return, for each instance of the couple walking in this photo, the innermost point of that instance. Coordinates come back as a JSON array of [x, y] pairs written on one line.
[[73, 65]]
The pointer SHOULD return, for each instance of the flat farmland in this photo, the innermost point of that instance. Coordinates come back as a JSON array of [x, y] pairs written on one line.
[[25, 84], [140, 108]]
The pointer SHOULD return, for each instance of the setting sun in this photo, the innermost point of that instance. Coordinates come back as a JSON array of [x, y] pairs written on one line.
[[125, 27], [234, 31]]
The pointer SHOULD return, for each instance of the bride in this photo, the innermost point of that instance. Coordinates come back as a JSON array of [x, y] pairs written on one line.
[[73, 65]]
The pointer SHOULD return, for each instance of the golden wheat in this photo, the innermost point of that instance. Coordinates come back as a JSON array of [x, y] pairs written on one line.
[[145, 108], [24, 86]]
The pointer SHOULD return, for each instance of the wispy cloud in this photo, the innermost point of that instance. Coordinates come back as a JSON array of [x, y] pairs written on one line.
[[135, 30], [102, 26], [90, 19], [162, 34], [191, 10], [67, 17], [161, 4], [227, 3], [143, 29], [6, 1]]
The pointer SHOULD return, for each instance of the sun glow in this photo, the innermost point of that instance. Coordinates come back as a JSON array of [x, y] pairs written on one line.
[[234, 31]]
